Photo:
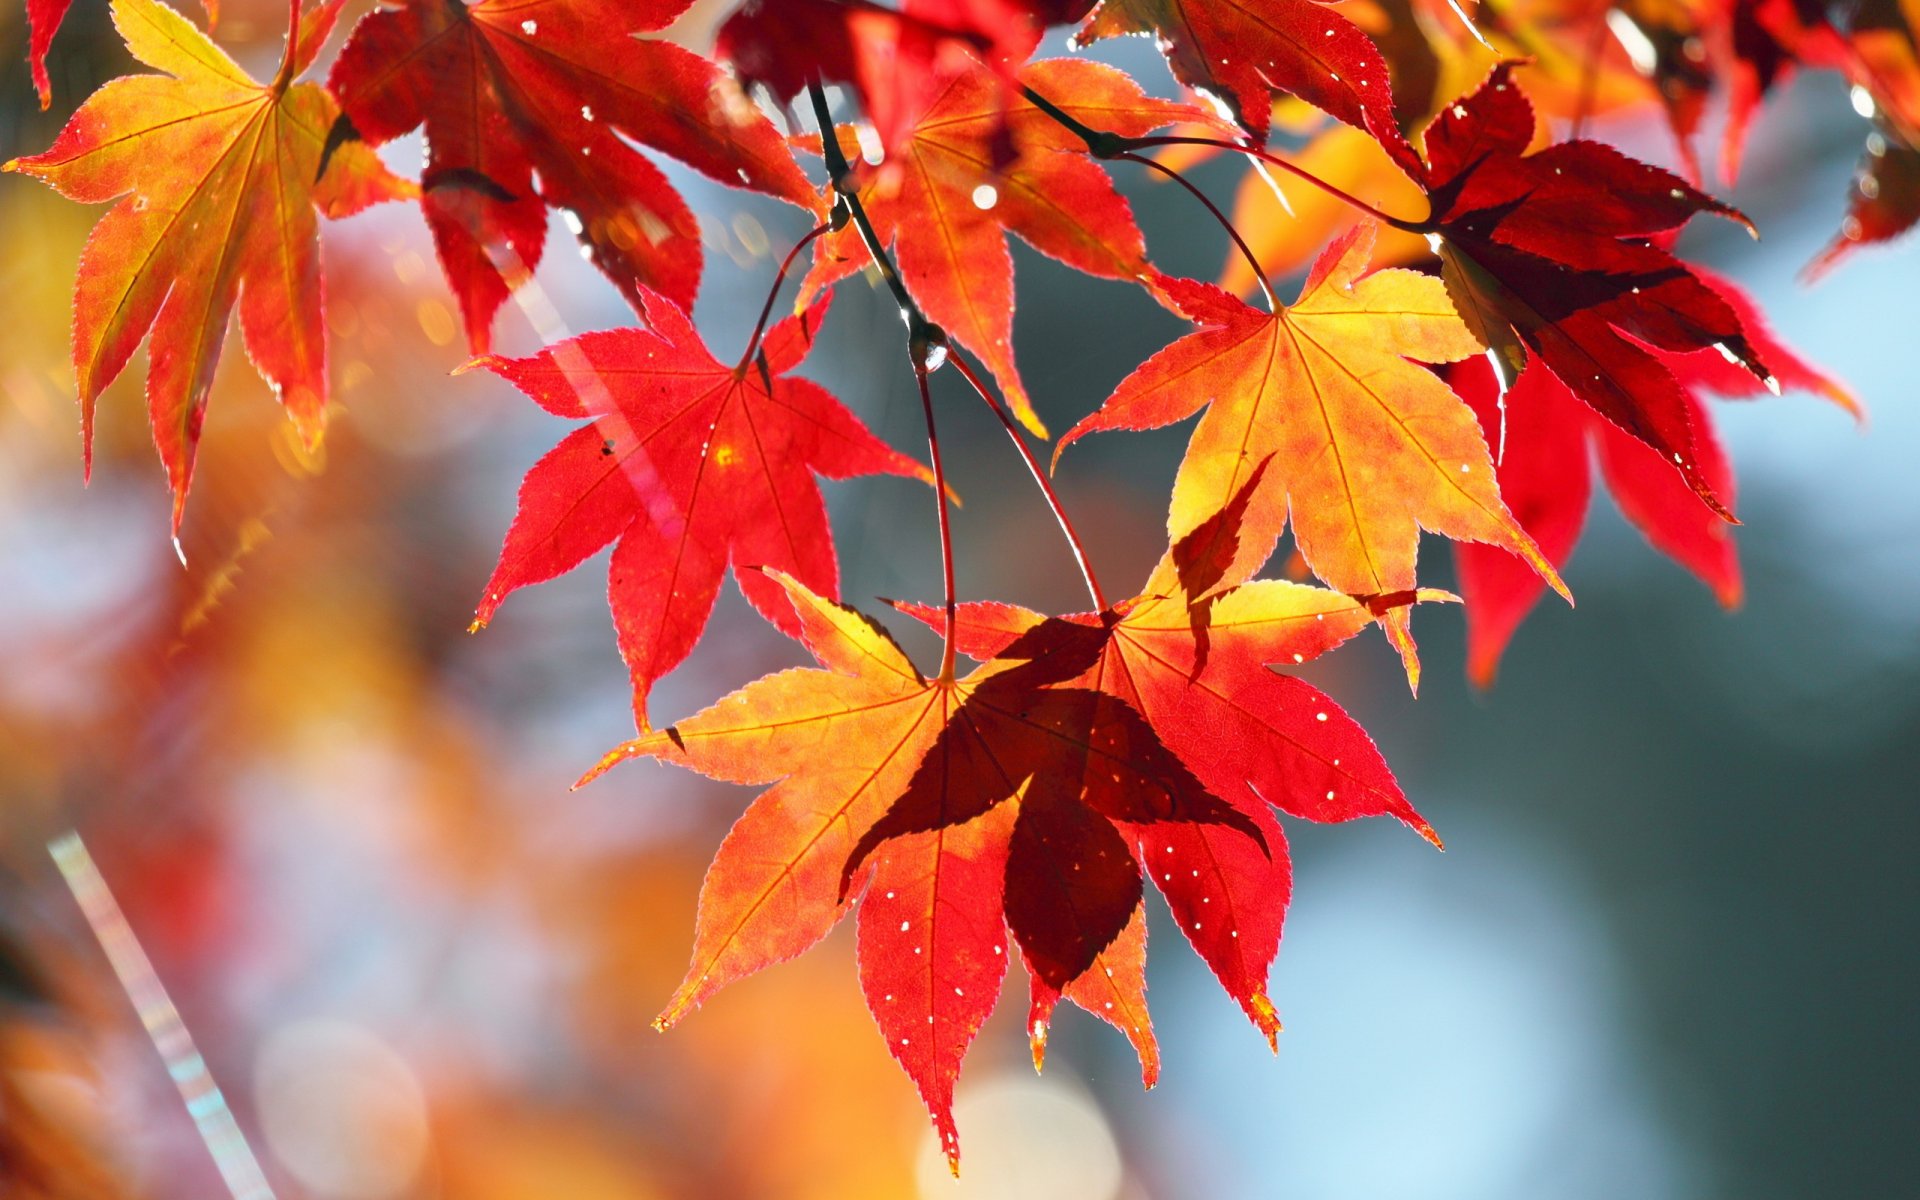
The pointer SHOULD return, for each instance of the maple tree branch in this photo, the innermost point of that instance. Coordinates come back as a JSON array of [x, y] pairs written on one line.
[[847, 196], [1040, 477], [926, 342], [1104, 143], [284, 77], [920, 371], [1246, 251], [773, 293]]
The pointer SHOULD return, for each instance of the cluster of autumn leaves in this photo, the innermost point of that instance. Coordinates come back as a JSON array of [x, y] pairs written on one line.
[[1541, 323]]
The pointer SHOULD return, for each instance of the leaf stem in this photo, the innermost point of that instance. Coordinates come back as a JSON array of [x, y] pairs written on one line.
[[926, 342], [1104, 143], [1246, 251], [773, 293], [946, 530], [1039, 476], [1294, 169], [284, 77]]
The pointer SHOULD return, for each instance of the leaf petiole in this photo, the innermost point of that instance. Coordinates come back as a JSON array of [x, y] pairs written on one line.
[[1246, 251], [920, 370], [1039, 477], [1103, 143], [283, 78], [773, 293]]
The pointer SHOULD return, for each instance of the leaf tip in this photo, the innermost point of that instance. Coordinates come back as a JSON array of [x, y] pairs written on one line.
[[1558, 584], [1037, 1041], [1483, 668], [1427, 831], [1266, 1019], [618, 754], [488, 361]]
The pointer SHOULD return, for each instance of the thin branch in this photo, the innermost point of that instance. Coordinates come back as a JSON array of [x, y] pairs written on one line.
[[773, 293], [926, 342], [1040, 477], [1246, 251], [848, 195]]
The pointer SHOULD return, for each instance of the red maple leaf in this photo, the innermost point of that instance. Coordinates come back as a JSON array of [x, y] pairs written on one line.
[[688, 463], [896, 60], [1550, 439], [510, 89], [1547, 254]]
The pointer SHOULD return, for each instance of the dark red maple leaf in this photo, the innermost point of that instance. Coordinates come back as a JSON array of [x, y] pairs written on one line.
[[1759, 45], [1546, 254], [1194, 664], [510, 89], [1550, 442], [954, 810], [1875, 45], [688, 463]]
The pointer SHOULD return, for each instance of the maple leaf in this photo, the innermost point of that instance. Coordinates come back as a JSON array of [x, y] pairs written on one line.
[[1193, 662], [1544, 254], [1879, 53], [1551, 441], [687, 463], [507, 89], [897, 61], [43, 21], [217, 178], [1882, 204], [1362, 443], [975, 168], [1243, 51], [953, 809]]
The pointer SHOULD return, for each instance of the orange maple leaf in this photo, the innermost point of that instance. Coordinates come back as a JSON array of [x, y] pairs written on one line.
[[217, 181], [1364, 444]]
